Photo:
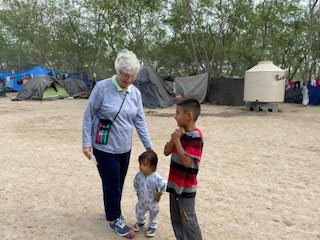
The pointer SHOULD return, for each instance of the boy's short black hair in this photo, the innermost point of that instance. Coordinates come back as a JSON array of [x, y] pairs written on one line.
[[190, 105], [151, 157]]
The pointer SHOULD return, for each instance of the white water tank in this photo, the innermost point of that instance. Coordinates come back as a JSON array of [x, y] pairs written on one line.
[[263, 83]]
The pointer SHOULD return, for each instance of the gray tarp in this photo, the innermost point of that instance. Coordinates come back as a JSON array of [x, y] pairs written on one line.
[[226, 91], [192, 86], [74, 86], [34, 88], [293, 95], [155, 93], [41, 87], [2, 92]]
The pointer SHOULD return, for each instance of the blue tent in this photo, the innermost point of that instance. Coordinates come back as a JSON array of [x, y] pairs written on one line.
[[35, 71], [15, 81], [85, 78], [74, 75], [3, 74], [314, 94]]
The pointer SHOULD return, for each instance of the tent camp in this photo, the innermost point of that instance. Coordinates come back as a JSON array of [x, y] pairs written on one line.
[[192, 86], [40, 88], [155, 93], [293, 93], [226, 91], [74, 87]]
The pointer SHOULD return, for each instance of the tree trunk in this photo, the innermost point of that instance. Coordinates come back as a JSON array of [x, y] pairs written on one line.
[[190, 36], [309, 41]]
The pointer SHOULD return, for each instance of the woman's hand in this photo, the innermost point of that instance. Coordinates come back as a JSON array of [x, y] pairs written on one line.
[[150, 149], [87, 151], [158, 197]]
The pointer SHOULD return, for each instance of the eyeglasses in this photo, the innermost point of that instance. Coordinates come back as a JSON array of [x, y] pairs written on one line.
[[127, 75]]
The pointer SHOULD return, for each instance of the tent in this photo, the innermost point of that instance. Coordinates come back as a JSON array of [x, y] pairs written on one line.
[[74, 86], [74, 75], [15, 81], [35, 71], [226, 91], [2, 92], [192, 86], [3, 74], [293, 95], [40, 88], [12, 82], [314, 94], [155, 93], [85, 78]]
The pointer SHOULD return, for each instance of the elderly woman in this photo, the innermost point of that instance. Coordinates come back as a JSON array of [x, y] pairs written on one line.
[[114, 109]]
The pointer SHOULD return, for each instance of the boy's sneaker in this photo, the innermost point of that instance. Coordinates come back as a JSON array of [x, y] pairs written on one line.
[[119, 227], [137, 226], [151, 232]]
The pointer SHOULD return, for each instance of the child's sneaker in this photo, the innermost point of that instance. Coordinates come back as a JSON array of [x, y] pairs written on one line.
[[119, 227], [137, 226], [151, 232]]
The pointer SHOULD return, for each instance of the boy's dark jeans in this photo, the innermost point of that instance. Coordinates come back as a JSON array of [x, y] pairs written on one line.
[[183, 218], [113, 170]]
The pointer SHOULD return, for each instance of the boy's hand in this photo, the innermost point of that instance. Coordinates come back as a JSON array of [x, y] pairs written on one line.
[[176, 135], [182, 130]]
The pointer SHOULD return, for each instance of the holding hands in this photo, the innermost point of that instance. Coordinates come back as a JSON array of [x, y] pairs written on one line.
[[158, 197]]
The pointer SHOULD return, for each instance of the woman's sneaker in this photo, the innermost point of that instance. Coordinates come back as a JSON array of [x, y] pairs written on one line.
[[119, 227], [137, 226], [151, 232]]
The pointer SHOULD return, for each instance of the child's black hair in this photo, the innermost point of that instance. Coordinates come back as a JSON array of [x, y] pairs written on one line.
[[190, 105], [151, 157]]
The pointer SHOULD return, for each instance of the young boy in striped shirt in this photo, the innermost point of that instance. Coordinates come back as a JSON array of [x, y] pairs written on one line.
[[185, 147]]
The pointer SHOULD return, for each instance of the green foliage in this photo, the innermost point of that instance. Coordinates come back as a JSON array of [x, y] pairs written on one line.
[[177, 37]]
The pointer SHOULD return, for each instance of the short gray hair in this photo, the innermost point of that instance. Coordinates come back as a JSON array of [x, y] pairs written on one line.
[[127, 61]]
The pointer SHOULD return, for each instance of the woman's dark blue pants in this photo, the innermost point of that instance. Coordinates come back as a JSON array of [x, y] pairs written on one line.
[[113, 170]]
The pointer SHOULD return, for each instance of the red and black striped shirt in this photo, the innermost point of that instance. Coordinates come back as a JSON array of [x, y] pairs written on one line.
[[183, 181]]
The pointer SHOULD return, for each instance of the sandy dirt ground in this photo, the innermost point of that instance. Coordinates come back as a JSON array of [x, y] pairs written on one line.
[[259, 177]]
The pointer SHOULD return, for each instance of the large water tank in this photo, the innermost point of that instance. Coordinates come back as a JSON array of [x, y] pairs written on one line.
[[264, 83]]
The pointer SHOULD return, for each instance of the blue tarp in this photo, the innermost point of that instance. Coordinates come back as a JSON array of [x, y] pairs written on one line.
[[314, 94], [3, 74], [85, 78], [35, 71], [15, 81], [74, 75]]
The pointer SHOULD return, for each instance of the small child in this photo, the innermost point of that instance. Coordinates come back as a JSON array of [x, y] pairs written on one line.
[[185, 147], [149, 186]]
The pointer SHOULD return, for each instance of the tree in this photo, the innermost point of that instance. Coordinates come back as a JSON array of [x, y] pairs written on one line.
[[312, 9], [177, 37]]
